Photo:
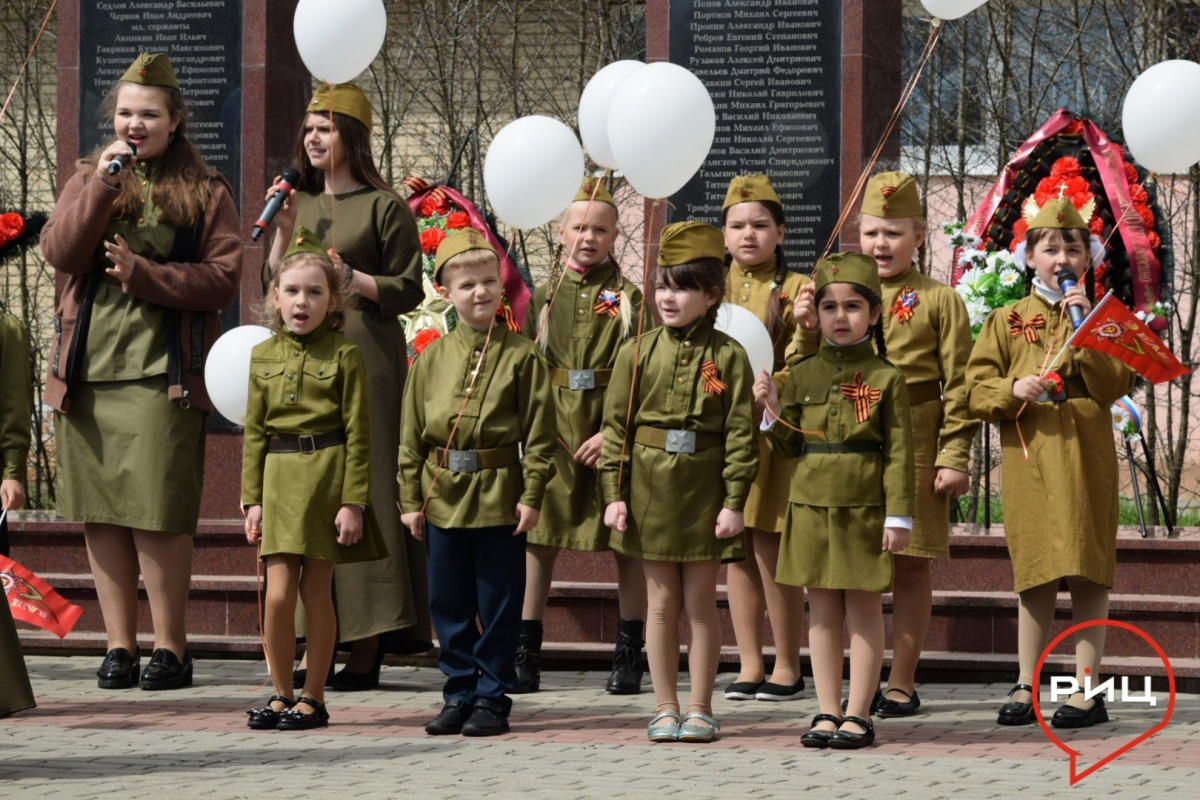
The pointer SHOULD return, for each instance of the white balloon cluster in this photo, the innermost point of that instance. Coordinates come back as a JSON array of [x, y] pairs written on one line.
[[227, 370], [338, 41], [1161, 117]]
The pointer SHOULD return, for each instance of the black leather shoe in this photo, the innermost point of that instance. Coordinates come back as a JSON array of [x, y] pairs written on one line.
[[485, 721], [1068, 716], [267, 718], [451, 720], [743, 690], [898, 708], [815, 738], [875, 701], [1014, 713], [528, 660], [299, 676], [846, 740], [296, 720], [627, 668], [347, 681], [119, 670], [777, 692], [166, 671]]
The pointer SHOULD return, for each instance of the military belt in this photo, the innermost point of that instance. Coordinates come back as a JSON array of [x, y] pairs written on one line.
[[475, 460], [675, 441], [579, 380], [307, 443]]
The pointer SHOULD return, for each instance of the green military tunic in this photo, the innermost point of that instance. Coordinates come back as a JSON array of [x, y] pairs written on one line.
[[1060, 506], [833, 538], [376, 234], [310, 384], [579, 336], [120, 431], [750, 288], [510, 405], [674, 498], [15, 692], [930, 342]]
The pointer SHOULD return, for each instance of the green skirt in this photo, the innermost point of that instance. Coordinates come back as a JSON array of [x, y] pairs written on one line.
[[128, 456], [835, 548], [15, 692], [573, 508], [931, 522], [302, 494]]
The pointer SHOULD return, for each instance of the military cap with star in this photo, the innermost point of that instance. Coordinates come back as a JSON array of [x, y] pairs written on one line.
[[750, 189], [892, 195], [457, 243], [1059, 212], [342, 98], [602, 193], [152, 69], [848, 268], [305, 241], [685, 242]]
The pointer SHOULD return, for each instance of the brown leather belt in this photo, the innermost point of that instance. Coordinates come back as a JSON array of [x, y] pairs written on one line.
[[924, 392], [678, 441], [308, 443], [580, 380], [475, 460]]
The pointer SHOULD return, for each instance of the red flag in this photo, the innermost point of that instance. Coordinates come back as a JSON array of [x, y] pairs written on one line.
[[1112, 328], [35, 601]]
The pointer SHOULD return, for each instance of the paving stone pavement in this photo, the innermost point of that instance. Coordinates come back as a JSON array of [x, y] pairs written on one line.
[[571, 740]]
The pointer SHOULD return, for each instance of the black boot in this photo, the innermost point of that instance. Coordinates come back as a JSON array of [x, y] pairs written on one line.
[[627, 667], [529, 657]]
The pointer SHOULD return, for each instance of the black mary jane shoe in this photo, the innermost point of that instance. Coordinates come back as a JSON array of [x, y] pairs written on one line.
[[119, 670], [485, 721], [819, 739], [898, 708], [347, 681], [1014, 713], [875, 701], [1068, 716], [450, 721], [167, 671], [295, 720], [267, 718], [847, 740], [743, 690]]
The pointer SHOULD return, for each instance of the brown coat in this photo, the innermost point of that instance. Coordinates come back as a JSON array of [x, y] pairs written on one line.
[[195, 289]]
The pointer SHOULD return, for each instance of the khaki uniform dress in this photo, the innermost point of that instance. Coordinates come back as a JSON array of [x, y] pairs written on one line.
[[580, 336], [509, 406], [852, 478], [377, 236], [674, 498], [310, 384], [15, 692], [1060, 506], [125, 455], [750, 288], [930, 342]]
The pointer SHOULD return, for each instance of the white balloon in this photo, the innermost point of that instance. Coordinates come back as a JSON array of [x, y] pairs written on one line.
[[1161, 116], [748, 331], [594, 105], [532, 171], [337, 41], [227, 370], [661, 125], [951, 9]]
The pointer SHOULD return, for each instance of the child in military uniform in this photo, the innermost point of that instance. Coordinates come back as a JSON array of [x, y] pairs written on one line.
[[476, 452], [1060, 502], [580, 329], [759, 280], [684, 443], [845, 410], [306, 471]]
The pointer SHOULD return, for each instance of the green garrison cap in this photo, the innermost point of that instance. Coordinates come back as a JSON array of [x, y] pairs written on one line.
[[305, 241], [345, 98], [602, 193], [457, 243], [152, 69], [1058, 212], [892, 195], [750, 189], [848, 268], [685, 242]]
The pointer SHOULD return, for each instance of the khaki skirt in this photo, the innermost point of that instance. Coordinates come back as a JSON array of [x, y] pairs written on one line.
[[835, 548], [128, 456], [931, 522]]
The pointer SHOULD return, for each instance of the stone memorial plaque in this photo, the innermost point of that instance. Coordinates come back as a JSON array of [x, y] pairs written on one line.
[[773, 68]]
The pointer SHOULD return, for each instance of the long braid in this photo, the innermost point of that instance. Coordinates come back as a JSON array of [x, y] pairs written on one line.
[[543, 323], [880, 344], [775, 322]]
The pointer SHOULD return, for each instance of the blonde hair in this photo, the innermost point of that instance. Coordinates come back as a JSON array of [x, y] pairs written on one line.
[[341, 295]]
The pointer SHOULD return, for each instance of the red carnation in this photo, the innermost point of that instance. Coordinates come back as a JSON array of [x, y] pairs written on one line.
[[1096, 226], [1146, 214], [1131, 173], [1056, 382], [458, 219], [430, 240], [12, 225], [1075, 126], [1020, 227], [433, 204], [1120, 150], [1155, 240], [1066, 167], [424, 338], [1138, 194]]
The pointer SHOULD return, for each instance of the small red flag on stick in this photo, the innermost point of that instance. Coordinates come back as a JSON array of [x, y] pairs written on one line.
[[1112, 328], [34, 601]]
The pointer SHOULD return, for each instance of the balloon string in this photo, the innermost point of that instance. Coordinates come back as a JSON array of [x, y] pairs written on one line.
[[637, 347], [935, 33], [570, 257], [773, 418], [332, 173], [262, 636], [28, 57]]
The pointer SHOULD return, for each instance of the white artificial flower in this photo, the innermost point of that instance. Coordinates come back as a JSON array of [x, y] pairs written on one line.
[[971, 240], [972, 256], [1121, 418], [1009, 277], [971, 278], [977, 310], [1142, 315]]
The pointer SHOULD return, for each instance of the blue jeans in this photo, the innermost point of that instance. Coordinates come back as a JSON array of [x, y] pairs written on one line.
[[477, 571]]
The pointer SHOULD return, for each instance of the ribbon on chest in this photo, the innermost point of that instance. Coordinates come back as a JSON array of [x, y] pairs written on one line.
[[609, 303], [1017, 326], [906, 304], [863, 396]]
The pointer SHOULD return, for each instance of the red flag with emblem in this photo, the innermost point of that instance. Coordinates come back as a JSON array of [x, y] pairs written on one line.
[[1112, 328], [34, 601]]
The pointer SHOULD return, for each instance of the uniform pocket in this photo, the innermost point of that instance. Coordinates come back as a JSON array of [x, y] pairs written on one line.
[[266, 370], [320, 370]]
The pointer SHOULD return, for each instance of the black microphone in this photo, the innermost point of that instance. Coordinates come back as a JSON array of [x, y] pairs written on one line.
[[1067, 281], [118, 163], [287, 182]]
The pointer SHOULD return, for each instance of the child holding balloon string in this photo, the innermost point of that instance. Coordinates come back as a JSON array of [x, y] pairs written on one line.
[[580, 318], [678, 460], [851, 498], [759, 280], [306, 471]]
